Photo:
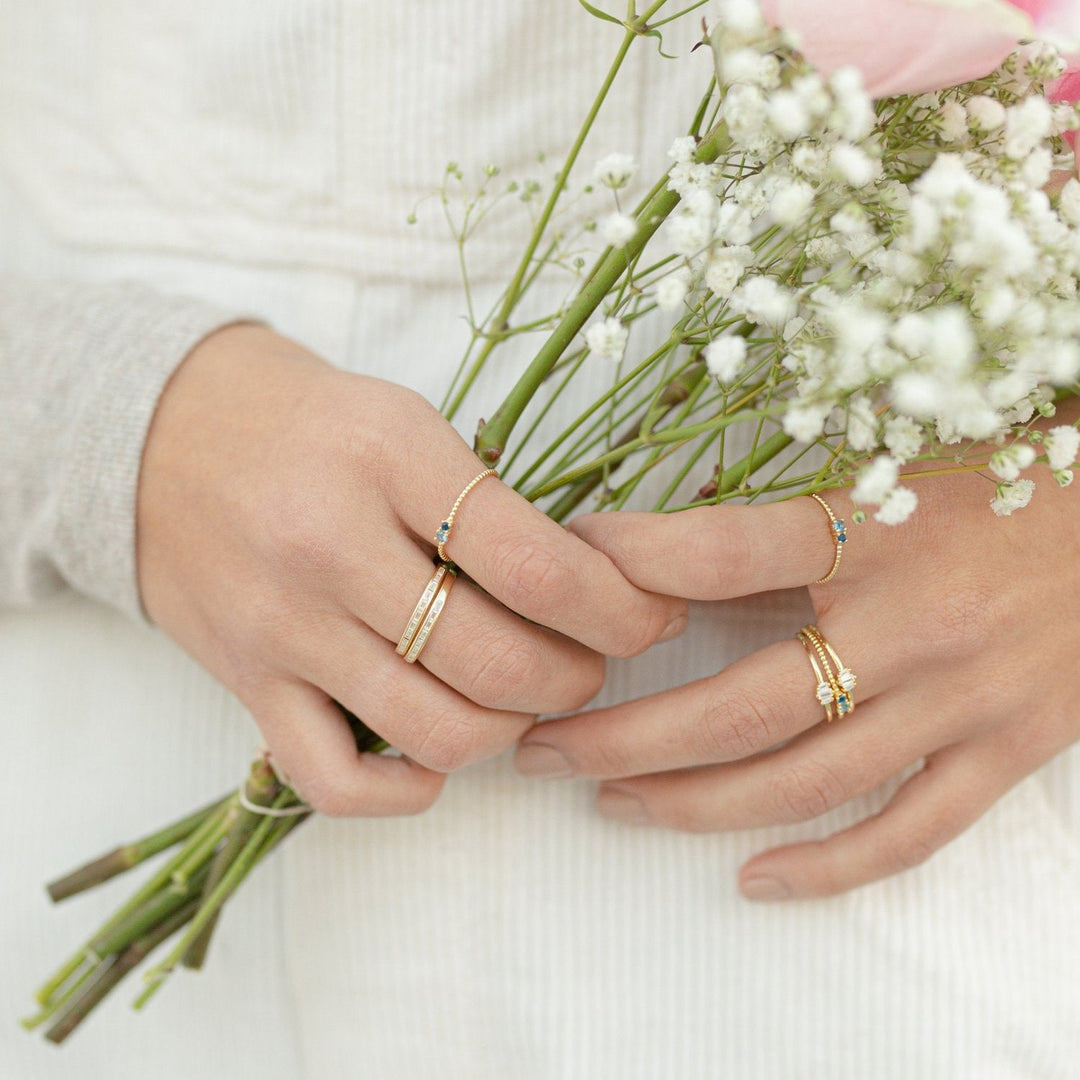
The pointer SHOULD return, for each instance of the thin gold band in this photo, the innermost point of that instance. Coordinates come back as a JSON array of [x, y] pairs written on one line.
[[839, 536], [835, 681], [442, 534], [420, 610], [432, 617]]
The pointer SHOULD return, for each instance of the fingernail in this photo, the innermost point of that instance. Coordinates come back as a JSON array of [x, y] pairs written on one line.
[[676, 627], [538, 759], [623, 807], [765, 888]]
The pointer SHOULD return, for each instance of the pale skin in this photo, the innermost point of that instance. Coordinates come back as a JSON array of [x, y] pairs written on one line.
[[285, 532], [961, 628], [286, 512]]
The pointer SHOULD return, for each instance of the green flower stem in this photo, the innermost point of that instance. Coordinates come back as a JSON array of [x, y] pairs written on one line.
[[142, 921], [109, 974], [514, 290], [256, 847], [128, 856], [261, 789], [678, 391], [492, 438], [199, 854], [159, 880]]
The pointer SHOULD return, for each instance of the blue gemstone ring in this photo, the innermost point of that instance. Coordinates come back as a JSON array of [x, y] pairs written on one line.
[[838, 533], [442, 534], [835, 681]]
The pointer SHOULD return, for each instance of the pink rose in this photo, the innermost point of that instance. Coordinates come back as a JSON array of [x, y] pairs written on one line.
[[908, 46]]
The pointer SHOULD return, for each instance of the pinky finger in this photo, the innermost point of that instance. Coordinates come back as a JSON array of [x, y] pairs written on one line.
[[954, 788], [314, 745]]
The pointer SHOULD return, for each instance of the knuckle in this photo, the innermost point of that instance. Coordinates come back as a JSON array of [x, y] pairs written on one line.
[[505, 667], [331, 797], [908, 848], [637, 630], [452, 740], [967, 615], [735, 725], [298, 536], [537, 579], [420, 799], [720, 548], [687, 816], [809, 790]]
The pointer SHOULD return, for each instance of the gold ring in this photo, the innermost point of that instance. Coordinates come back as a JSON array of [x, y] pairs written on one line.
[[835, 682], [443, 532], [431, 616], [839, 536], [421, 608]]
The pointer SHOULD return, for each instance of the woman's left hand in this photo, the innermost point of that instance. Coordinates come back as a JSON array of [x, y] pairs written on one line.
[[961, 627]]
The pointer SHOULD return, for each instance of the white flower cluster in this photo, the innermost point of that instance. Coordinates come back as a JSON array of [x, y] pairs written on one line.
[[902, 272]]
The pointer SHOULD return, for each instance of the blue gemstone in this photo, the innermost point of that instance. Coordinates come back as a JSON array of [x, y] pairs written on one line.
[[842, 538]]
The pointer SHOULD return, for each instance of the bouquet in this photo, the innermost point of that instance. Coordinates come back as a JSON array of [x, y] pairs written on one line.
[[856, 270]]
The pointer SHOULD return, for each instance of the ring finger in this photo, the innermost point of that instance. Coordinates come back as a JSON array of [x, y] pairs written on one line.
[[762, 700]]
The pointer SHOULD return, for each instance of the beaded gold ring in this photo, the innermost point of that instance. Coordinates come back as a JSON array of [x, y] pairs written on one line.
[[839, 536], [835, 681], [442, 534]]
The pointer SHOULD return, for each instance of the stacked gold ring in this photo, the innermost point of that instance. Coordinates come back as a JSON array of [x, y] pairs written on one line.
[[426, 613], [835, 682]]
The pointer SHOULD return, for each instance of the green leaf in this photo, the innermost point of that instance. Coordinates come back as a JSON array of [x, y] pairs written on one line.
[[599, 14]]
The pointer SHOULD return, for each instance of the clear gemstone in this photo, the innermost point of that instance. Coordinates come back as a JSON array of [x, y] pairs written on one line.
[[846, 678], [824, 693]]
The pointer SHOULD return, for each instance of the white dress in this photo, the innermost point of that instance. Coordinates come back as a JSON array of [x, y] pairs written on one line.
[[263, 156]]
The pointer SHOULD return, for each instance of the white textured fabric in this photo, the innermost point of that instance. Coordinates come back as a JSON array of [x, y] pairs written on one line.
[[262, 157]]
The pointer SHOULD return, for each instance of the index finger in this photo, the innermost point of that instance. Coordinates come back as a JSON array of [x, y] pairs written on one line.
[[720, 552], [544, 573]]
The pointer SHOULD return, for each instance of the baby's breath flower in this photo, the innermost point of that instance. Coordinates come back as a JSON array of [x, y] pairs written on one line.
[[788, 115], [683, 149], [1069, 201], [903, 438], [898, 506], [805, 421], [853, 165], [1009, 462], [618, 229], [1026, 125], [862, 424], [764, 301], [791, 201], [725, 357], [875, 481], [615, 170], [985, 114], [607, 339], [1062, 444], [952, 121], [1012, 495], [672, 288]]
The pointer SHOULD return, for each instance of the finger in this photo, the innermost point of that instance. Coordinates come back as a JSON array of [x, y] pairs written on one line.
[[480, 648], [813, 774], [954, 788], [758, 702], [719, 552], [536, 568], [408, 706], [312, 742]]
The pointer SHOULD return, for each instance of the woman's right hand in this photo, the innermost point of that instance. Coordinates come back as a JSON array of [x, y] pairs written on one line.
[[286, 511]]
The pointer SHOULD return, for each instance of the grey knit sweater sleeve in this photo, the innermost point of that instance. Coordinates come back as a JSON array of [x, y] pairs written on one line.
[[81, 370]]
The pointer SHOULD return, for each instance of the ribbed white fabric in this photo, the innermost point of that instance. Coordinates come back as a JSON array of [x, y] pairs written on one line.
[[262, 157]]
